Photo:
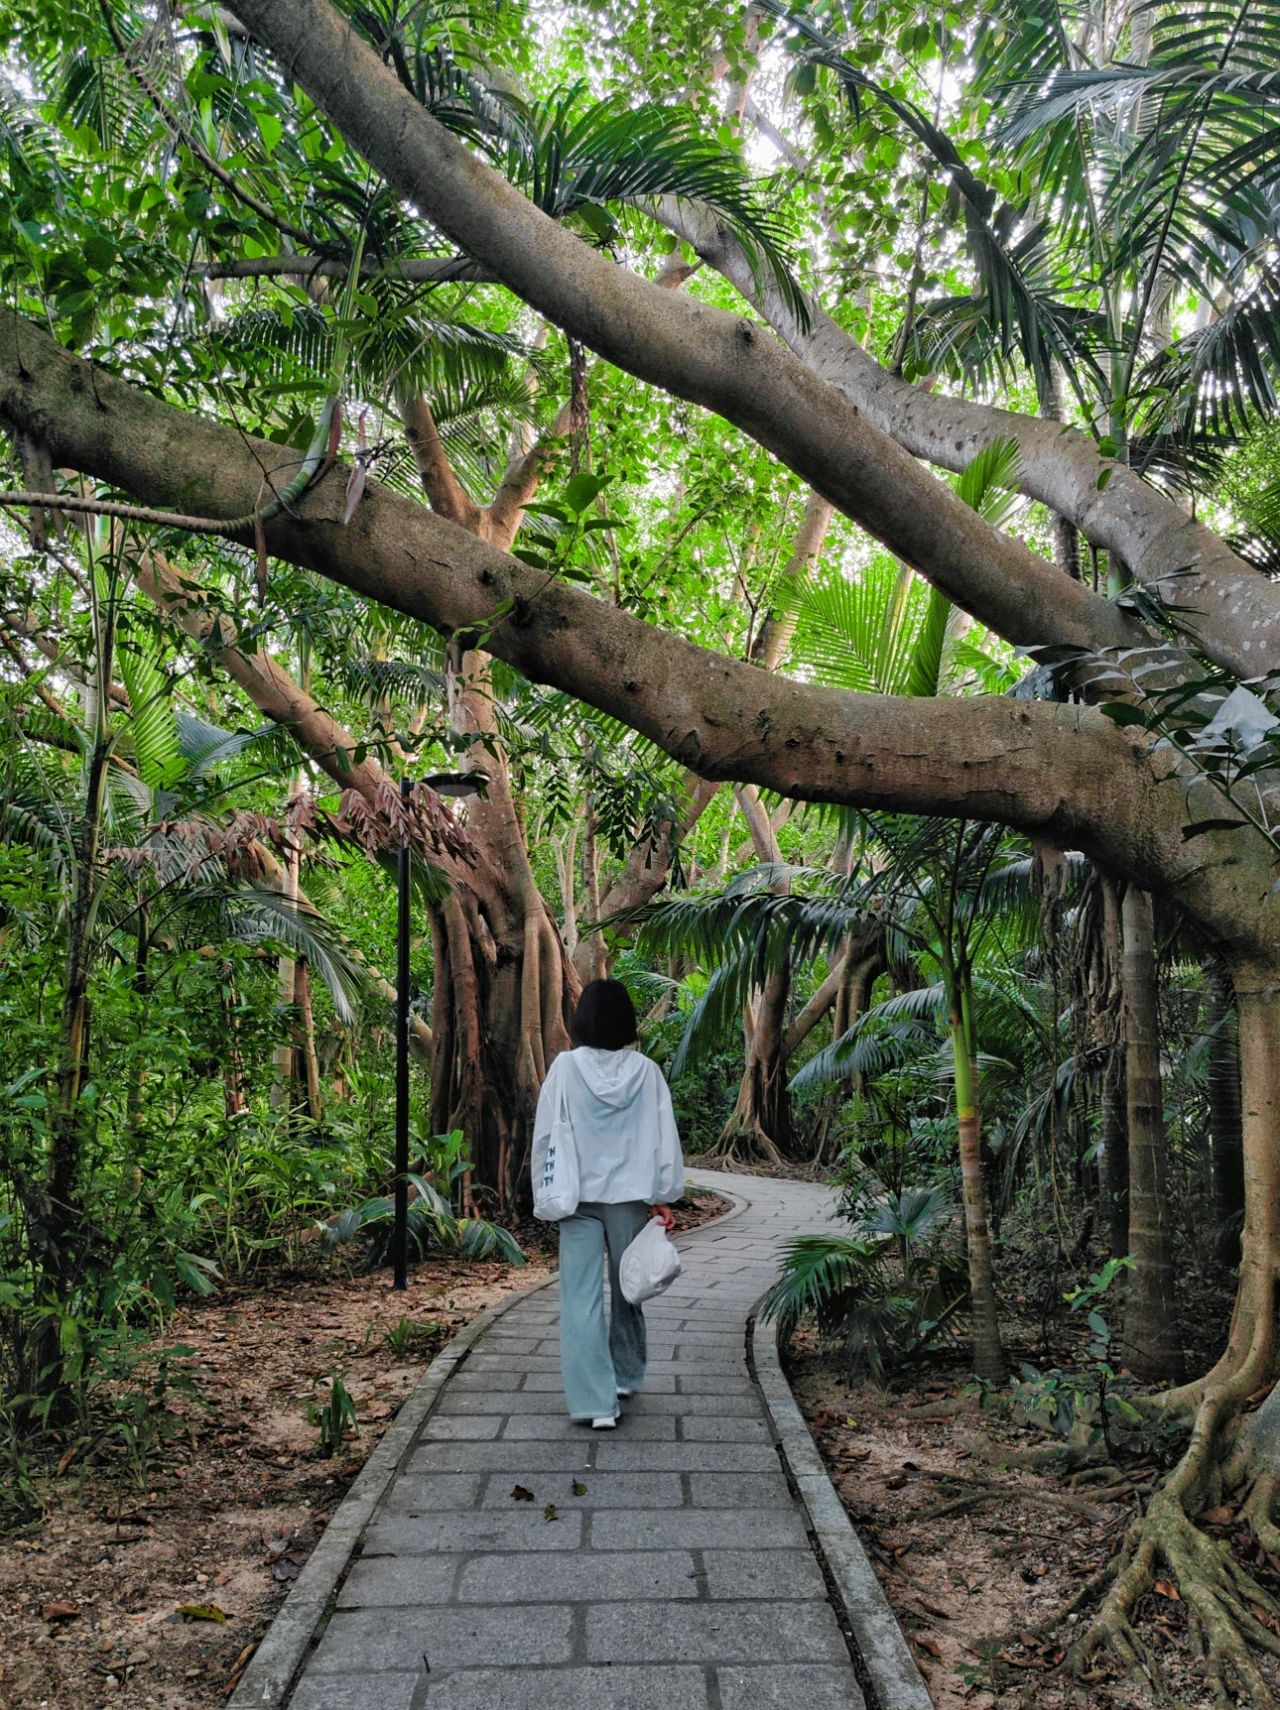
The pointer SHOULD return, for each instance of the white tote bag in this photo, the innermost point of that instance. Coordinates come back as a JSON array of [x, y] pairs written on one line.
[[556, 1194], [649, 1265]]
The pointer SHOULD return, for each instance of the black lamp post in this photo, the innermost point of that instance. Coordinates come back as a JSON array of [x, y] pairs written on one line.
[[444, 784]]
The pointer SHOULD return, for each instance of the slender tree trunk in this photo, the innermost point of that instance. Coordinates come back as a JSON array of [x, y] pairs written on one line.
[[64, 1254], [141, 986], [282, 1080], [505, 978], [1113, 1154], [234, 1100], [1226, 1141], [988, 1353], [305, 1059], [596, 954], [1153, 1343]]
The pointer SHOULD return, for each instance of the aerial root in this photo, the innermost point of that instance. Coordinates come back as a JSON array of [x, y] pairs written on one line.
[[1258, 1508], [1225, 1605]]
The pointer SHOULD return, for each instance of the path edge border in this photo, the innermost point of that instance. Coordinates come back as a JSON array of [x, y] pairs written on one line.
[[892, 1674], [272, 1671]]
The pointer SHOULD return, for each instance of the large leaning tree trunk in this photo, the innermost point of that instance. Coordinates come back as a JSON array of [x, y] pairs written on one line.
[[505, 986], [1153, 1343]]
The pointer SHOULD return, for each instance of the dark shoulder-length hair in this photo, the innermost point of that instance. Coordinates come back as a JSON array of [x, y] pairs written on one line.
[[605, 1017]]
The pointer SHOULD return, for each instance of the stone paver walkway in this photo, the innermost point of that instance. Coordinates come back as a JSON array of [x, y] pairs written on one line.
[[664, 1565]]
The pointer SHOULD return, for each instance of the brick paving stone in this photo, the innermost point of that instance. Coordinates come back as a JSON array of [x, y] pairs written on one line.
[[432, 1491], [663, 1384], [504, 1401], [356, 1691], [773, 1688], [539, 1427], [745, 1406], [701, 1383], [699, 1529], [456, 1637], [715, 1632], [447, 1427], [713, 1428], [569, 1689], [623, 1456], [597, 1490], [590, 1577], [739, 1490], [762, 1573], [520, 1529], [503, 1457], [399, 1581]]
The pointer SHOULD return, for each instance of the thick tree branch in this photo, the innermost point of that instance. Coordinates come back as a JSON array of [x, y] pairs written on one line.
[[1238, 622], [711, 358], [415, 270], [1066, 772]]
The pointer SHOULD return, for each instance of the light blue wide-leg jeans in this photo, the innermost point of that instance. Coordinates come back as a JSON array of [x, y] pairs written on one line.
[[598, 1359]]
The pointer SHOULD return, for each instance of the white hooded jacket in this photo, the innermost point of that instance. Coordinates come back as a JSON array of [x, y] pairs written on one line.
[[624, 1128]]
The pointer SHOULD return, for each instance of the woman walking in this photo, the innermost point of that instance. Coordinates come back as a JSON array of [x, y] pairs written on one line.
[[630, 1169]]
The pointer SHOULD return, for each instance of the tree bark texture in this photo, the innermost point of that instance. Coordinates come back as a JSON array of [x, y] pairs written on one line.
[[1105, 996], [1225, 1134], [1152, 1339], [1237, 611]]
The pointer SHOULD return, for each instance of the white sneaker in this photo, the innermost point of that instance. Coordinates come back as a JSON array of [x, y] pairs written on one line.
[[625, 1394], [606, 1422]]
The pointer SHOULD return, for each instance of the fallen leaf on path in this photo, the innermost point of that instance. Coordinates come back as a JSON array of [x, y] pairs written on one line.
[[520, 1494], [579, 1489], [62, 1610], [202, 1612], [1222, 1516], [1166, 1588], [550, 1512]]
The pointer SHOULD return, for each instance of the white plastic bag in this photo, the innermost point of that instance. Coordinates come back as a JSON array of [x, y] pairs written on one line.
[[556, 1194], [649, 1265]]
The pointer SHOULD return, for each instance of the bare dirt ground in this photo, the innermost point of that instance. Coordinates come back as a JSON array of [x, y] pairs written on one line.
[[978, 1555], [153, 1594]]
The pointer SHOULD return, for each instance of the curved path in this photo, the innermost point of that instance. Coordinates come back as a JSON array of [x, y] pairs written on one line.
[[518, 1561]]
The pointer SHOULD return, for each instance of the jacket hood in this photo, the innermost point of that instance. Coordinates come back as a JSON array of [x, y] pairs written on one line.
[[615, 1077]]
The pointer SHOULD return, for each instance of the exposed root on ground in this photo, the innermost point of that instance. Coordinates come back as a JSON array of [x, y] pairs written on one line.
[[739, 1149], [1228, 1611]]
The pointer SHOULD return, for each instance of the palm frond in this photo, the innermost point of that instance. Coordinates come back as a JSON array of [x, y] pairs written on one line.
[[1000, 238], [819, 1273], [261, 914], [153, 725], [575, 157]]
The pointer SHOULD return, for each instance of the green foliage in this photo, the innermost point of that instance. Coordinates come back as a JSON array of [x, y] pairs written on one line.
[[336, 1420], [412, 1337], [877, 1320], [1093, 1405], [432, 1224]]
